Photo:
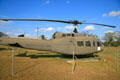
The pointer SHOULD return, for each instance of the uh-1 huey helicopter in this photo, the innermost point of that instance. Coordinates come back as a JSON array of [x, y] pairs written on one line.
[[64, 43]]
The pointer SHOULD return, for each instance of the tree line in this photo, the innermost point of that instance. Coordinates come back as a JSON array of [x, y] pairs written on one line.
[[112, 38]]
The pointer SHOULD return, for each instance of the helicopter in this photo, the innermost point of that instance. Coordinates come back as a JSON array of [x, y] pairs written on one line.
[[63, 43]]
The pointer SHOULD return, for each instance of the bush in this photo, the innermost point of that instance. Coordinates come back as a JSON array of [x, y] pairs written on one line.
[[114, 44]]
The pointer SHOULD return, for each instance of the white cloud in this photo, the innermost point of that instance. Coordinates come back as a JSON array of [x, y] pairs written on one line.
[[88, 28], [37, 30], [69, 27], [12, 34], [104, 15], [112, 13], [3, 23], [68, 1], [3, 16], [47, 29], [105, 27], [59, 28], [16, 34], [6, 22], [9, 33], [47, 2], [50, 29], [27, 35], [109, 32]]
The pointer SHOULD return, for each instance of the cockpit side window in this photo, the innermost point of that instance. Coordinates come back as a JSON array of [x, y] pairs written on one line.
[[80, 43], [87, 43], [98, 43]]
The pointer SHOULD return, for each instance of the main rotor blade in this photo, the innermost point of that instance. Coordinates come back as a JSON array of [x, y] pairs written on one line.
[[100, 24], [36, 20], [70, 22]]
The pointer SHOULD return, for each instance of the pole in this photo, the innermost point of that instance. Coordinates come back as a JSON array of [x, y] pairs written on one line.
[[116, 60], [37, 32], [73, 67], [12, 61]]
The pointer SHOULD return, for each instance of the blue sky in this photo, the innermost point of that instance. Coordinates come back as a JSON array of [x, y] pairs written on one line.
[[97, 11]]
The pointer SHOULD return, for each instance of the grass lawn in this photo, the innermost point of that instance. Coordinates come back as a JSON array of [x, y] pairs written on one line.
[[44, 65]]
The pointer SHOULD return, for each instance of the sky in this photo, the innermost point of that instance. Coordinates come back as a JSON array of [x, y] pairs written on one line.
[[96, 11]]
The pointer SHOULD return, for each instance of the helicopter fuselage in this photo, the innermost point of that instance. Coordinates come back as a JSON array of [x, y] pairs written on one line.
[[79, 45]]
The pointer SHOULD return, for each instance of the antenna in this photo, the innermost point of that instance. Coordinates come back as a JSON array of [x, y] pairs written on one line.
[[37, 31]]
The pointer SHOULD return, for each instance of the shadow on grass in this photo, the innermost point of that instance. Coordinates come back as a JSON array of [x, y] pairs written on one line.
[[4, 49], [47, 55]]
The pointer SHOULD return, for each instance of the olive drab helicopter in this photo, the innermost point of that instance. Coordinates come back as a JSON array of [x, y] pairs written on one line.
[[64, 43]]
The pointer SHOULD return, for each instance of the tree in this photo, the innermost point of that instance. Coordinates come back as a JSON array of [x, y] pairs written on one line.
[[84, 33], [117, 36], [3, 35], [109, 37]]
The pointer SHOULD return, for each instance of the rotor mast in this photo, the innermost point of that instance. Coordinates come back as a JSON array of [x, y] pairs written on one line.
[[76, 22], [75, 28]]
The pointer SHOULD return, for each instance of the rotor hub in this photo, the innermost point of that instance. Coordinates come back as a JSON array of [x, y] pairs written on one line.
[[76, 22]]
